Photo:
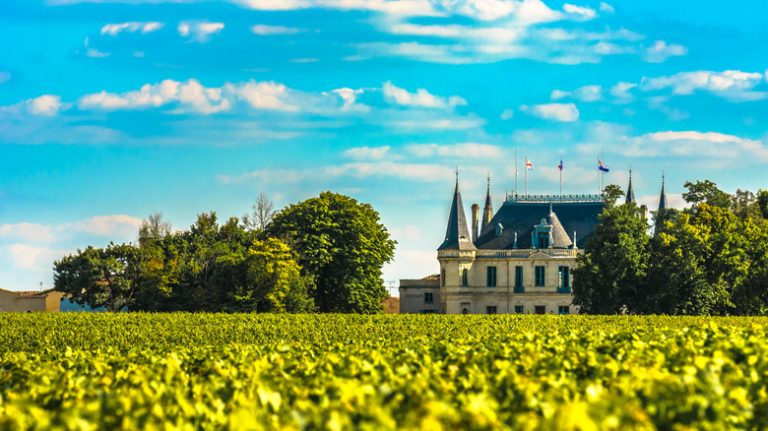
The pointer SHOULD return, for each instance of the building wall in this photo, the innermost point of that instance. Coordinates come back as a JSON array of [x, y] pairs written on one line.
[[30, 301], [414, 292], [477, 296]]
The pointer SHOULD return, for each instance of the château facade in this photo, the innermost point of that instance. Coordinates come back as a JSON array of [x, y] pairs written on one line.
[[518, 260]]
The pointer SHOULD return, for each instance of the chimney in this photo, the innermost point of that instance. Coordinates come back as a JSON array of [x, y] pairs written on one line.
[[475, 213], [644, 212]]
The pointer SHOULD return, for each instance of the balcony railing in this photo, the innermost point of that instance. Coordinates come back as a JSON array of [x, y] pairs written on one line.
[[523, 253]]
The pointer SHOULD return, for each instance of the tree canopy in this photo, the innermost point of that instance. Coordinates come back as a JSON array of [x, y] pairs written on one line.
[[340, 244], [711, 258], [323, 254]]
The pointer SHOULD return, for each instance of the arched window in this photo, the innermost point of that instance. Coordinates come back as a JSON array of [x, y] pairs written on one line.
[[464, 277]]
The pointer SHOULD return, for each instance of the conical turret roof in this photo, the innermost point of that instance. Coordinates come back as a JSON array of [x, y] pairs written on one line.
[[560, 238], [457, 235], [630, 191]]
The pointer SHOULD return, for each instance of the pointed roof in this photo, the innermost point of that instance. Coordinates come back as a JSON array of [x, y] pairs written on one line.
[[560, 238], [630, 191], [457, 235], [663, 197], [487, 209]]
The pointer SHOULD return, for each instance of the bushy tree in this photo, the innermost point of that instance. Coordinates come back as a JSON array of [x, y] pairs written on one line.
[[611, 272], [342, 245]]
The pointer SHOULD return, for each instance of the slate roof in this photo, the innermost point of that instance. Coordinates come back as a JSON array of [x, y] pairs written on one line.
[[521, 217], [457, 235]]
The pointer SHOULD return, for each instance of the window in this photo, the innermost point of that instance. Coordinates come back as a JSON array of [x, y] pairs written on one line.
[[540, 276], [465, 307], [464, 277], [491, 276], [428, 297], [491, 309], [563, 309], [519, 309], [442, 276], [519, 280], [564, 282], [543, 241], [540, 309]]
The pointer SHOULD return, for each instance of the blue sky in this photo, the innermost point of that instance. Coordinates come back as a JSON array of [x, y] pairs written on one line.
[[112, 110]]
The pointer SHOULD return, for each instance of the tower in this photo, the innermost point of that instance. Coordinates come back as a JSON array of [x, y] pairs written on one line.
[[630, 191], [475, 215], [662, 208], [457, 235], [488, 209]]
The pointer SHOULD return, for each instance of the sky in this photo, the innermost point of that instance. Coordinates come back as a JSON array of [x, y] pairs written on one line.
[[113, 110]]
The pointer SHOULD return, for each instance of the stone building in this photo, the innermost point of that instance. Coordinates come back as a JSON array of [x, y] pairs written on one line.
[[48, 301], [518, 260]]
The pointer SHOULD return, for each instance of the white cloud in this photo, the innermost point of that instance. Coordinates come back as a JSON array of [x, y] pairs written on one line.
[[91, 51], [268, 30], [349, 96], [28, 232], [119, 225], [264, 95], [45, 105], [421, 98], [131, 27], [696, 144], [565, 112], [660, 51], [588, 93], [468, 150], [190, 95], [199, 31], [733, 85], [621, 92], [406, 171], [507, 114], [606, 8], [367, 153], [33, 258], [580, 12]]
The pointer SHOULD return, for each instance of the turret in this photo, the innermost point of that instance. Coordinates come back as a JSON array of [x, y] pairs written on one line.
[[662, 208], [630, 191], [488, 209], [457, 235]]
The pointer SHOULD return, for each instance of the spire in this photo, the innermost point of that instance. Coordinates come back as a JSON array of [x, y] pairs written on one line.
[[559, 236], [663, 197], [662, 208], [488, 209], [457, 235], [630, 192]]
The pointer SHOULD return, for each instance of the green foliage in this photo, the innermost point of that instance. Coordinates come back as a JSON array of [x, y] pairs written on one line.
[[331, 372], [210, 267], [706, 192], [611, 194], [342, 246], [612, 271]]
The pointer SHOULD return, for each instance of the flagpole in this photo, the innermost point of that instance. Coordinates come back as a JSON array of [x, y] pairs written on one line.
[[561, 180], [526, 174], [517, 188]]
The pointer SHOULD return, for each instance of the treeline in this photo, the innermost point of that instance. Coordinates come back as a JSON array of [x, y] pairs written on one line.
[[708, 259], [324, 254]]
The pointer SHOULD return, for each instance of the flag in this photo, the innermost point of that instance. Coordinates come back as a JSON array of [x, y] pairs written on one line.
[[528, 165], [560, 166], [601, 166]]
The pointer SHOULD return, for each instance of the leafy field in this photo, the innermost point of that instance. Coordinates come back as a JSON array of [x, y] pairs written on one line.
[[208, 371]]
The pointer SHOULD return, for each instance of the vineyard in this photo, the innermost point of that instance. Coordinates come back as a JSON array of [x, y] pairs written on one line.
[[209, 371]]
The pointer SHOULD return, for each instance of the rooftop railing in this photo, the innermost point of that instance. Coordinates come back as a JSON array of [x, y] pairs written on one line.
[[517, 198]]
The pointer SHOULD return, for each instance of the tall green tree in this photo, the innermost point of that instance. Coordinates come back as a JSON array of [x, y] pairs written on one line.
[[611, 194], [706, 192], [611, 272], [342, 245]]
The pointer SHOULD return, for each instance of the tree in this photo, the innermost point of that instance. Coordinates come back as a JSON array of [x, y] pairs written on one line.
[[154, 227], [97, 277], [762, 202], [706, 192], [611, 194], [262, 213], [342, 246], [611, 272]]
